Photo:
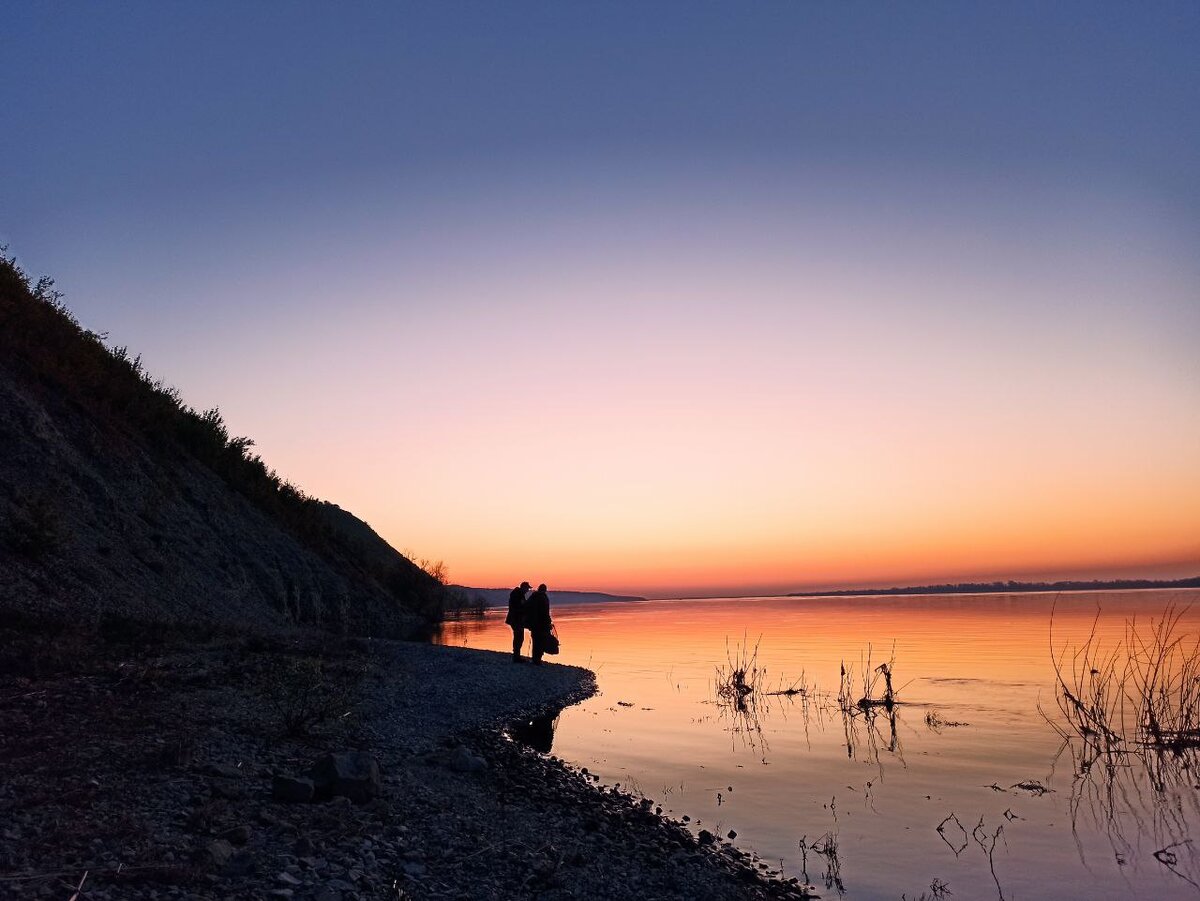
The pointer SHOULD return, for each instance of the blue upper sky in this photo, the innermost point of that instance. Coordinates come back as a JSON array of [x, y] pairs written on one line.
[[192, 105]]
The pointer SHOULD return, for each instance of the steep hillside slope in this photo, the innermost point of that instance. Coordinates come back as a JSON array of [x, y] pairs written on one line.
[[118, 503]]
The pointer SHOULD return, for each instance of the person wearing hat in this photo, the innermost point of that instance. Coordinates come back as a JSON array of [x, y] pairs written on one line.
[[516, 617]]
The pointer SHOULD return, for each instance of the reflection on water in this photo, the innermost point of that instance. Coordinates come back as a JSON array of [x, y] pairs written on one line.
[[970, 782], [536, 733]]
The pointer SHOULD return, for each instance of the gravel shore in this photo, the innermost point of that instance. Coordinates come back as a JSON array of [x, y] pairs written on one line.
[[167, 772]]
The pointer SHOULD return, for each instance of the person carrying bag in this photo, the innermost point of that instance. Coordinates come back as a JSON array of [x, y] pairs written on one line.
[[539, 624]]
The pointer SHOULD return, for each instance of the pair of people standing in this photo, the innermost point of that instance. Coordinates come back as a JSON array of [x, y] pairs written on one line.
[[532, 613]]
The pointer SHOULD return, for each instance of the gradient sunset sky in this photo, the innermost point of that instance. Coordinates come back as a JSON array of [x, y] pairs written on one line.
[[658, 298]]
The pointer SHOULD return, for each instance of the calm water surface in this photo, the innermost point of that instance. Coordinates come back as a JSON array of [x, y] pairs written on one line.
[[852, 804]]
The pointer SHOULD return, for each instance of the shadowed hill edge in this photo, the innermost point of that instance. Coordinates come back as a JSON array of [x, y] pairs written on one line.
[[120, 502]]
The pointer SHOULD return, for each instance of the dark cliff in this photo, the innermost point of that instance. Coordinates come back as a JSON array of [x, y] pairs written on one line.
[[118, 503]]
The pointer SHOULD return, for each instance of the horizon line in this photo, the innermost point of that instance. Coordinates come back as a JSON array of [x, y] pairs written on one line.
[[1020, 585]]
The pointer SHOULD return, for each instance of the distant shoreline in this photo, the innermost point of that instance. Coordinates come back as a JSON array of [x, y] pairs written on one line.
[[498, 597], [1004, 588]]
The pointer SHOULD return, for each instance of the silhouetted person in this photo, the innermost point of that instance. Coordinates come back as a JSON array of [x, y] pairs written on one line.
[[537, 621], [516, 617]]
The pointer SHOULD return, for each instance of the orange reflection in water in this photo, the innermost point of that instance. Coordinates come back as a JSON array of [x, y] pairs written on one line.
[[798, 771]]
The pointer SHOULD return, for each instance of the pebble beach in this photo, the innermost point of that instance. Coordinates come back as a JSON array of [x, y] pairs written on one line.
[[165, 772]]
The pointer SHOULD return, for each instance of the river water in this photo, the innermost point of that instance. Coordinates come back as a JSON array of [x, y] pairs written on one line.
[[851, 800]]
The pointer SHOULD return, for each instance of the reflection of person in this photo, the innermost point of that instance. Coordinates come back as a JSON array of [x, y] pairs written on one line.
[[537, 621], [537, 733], [516, 617]]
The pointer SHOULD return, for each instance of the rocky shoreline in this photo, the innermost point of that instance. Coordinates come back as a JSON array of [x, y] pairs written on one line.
[[162, 771]]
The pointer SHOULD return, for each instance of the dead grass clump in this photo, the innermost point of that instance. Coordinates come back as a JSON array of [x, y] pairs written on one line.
[[738, 686], [1143, 694], [306, 692], [741, 676], [1164, 679], [1090, 696], [877, 689]]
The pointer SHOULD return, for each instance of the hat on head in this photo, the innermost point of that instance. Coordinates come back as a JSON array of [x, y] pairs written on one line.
[[524, 584]]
